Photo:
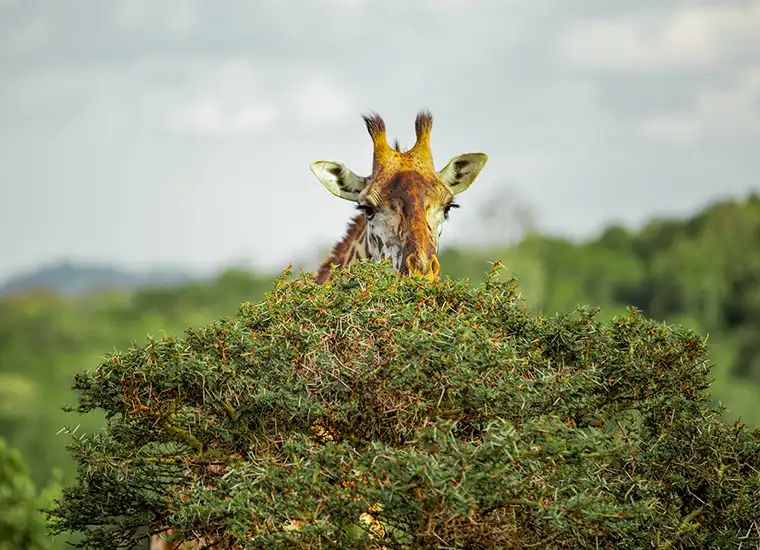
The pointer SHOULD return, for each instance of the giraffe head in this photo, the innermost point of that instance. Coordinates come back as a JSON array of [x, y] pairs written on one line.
[[405, 201]]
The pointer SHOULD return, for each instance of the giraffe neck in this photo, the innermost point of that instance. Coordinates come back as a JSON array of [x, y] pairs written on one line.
[[352, 248]]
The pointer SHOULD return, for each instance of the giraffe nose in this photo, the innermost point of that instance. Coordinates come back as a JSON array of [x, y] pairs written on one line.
[[427, 269]]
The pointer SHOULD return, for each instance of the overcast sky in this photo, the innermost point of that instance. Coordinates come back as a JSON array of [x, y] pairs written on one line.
[[152, 132]]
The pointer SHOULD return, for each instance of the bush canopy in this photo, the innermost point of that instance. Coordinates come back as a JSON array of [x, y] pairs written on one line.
[[384, 411]]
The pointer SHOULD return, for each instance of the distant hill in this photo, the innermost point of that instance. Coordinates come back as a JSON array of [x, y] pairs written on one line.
[[74, 278]]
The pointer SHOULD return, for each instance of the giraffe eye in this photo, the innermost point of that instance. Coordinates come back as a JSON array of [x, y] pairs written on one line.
[[447, 209], [367, 210]]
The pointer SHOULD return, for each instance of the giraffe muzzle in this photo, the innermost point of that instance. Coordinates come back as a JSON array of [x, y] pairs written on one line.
[[427, 270]]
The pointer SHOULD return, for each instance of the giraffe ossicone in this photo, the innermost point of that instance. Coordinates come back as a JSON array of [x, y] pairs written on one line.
[[402, 204]]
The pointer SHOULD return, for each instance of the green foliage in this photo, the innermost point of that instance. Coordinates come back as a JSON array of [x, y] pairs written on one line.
[[703, 271], [455, 417], [21, 526], [46, 337], [700, 273]]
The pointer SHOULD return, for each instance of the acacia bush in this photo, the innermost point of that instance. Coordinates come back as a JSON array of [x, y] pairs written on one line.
[[380, 411]]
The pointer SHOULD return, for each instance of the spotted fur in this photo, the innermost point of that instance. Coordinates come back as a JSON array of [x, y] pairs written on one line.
[[353, 247]]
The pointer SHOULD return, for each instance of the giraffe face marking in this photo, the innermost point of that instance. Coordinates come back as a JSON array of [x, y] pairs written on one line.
[[407, 215], [405, 201]]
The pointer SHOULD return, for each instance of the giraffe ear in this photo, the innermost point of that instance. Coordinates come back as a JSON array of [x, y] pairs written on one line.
[[461, 171], [338, 179]]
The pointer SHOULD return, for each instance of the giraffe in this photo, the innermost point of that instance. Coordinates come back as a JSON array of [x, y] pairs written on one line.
[[157, 542], [402, 204]]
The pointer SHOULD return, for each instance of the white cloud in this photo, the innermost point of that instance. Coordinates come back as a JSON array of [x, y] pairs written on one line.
[[318, 101], [229, 98], [716, 113], [209, 117], [177, 19], [27, 38], [674, 128], [687, 38], [346, 4], [239, 97], [232, 97]]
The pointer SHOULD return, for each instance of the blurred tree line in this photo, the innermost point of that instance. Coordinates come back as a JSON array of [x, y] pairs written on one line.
[[702, 272]]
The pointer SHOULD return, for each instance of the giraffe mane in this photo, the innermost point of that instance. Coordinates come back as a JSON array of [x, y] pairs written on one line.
[[342, 253]]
